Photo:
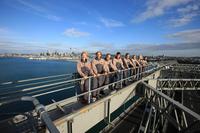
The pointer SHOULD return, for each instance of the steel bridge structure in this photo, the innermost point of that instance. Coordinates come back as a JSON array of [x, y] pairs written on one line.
[[163, 96]]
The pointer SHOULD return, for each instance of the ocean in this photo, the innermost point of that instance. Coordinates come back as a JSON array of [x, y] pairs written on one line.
[[14, 69]]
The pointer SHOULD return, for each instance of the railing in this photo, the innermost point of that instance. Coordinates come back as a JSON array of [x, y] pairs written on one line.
[[68, 83], [35, 87], [164, 107], [177, 84], [186, 67]]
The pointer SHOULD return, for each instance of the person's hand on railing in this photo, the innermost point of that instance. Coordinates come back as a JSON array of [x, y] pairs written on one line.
[[85, 77], [95, 75]]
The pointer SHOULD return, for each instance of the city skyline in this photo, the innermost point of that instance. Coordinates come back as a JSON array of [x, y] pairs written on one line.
[[154, 27]]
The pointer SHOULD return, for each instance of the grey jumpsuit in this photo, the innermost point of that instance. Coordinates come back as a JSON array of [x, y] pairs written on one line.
[[119, 75], [84, 69], [98, 67]]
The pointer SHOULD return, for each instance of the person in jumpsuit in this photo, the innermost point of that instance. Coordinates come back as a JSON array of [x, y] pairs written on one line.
[[136, 64], [84, 70], [117, 62], [98, 67], [143, 63], [110, 70], [127, 64]]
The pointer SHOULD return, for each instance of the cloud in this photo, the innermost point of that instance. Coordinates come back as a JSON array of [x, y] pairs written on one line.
[[54, 18], [101, 45], [192, 35], [17, 46], [3, 30], [183, 20], [186, 15], [104, 47], [175, 49], [176, 46], [111, 23], [155, 8], [39, 10], [73, 32], [188, 8]]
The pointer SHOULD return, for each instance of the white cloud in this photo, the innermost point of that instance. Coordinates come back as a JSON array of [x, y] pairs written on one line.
[[72, 32], [32, 6], [54, 17], [192, 35], [186, 15], [3, 30], [183, 20], [101, 45], [188, 8], [27, 46], [155, 8], [39, 10], [111, 22]]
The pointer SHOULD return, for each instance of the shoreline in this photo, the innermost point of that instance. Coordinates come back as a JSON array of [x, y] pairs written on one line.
[[43, 58]]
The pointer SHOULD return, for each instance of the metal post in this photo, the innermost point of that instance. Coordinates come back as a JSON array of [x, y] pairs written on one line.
[[177, 120], [89, 90], [183, 113], [138, 70], [108, 111], [154, 120], [121, 75], [69, 126]]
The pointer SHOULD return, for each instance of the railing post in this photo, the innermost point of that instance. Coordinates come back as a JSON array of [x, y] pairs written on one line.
[[89, 90], [138, 71], [141, 72], [108, 111], [121, 77], [69, 126], [148, 68]]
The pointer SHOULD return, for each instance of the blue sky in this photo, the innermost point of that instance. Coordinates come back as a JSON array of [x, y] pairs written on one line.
[[153, 27]]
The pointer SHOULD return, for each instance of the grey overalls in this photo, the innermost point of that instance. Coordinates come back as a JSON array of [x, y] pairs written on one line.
[[100, 79], [119, 75]]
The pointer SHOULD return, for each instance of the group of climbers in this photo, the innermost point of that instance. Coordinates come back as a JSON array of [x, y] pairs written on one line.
[[100, 72]]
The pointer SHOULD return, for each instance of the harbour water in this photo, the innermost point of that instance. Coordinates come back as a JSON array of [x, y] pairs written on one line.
[[14, 69]]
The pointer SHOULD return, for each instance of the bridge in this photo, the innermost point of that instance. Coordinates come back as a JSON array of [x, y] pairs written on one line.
[[163, 98]]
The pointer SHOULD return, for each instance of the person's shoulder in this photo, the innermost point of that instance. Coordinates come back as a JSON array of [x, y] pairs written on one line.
[[110, 61], [93, 60], [78, 62], [103, 60]]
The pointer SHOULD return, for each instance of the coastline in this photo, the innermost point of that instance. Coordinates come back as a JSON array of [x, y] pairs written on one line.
[[43, 58]]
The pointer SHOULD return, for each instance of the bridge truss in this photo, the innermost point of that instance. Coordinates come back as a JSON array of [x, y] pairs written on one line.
[[163, 106]]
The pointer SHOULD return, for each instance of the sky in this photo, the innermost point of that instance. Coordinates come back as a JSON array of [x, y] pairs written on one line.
[[149, 27]]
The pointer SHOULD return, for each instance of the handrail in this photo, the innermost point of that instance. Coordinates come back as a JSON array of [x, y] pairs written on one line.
[[49, 88], [42, 113], [173, 79], [33, 79], [8, 89]]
